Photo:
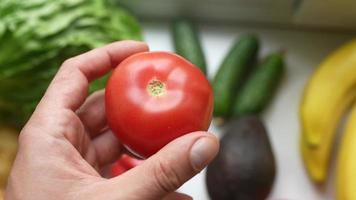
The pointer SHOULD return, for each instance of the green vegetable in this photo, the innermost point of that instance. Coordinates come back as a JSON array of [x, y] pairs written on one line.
[[187, 43], [232, 73], [36, 36], [260, 87]]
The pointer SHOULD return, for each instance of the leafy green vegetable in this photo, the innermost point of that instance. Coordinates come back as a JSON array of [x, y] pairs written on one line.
[[36, 36]]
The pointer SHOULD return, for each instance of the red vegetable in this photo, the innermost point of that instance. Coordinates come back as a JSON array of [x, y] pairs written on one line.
[[155, 97], [125, 163], [117, 169]]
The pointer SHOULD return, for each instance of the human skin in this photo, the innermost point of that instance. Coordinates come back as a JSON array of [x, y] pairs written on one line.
[[66, 143]]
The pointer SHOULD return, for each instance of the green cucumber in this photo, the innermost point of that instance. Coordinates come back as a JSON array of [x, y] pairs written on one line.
[[187, 43], [232, 73], [260, 87]]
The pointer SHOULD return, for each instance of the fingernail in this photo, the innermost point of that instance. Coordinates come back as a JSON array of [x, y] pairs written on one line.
[[202, 152]]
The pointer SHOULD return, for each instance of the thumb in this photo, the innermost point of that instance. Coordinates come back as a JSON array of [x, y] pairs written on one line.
[[171, 167]]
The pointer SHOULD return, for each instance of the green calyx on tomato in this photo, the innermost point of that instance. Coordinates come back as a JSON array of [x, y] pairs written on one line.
[[153, 98], [156, 88]]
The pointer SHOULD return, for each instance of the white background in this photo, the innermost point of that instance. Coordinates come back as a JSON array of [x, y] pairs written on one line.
[[303, 52]]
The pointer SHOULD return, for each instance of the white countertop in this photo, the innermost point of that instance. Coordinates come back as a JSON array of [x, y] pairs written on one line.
[[303, 52]]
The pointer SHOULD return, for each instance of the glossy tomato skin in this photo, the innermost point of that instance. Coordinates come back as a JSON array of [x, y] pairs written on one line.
[[146, 118]]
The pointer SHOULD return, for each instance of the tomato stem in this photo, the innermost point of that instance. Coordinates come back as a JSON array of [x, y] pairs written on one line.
[[156, 88]]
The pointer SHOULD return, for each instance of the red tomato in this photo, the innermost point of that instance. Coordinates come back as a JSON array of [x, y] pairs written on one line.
[[153, 98], [117, 170], [125, 163], [129, 162]]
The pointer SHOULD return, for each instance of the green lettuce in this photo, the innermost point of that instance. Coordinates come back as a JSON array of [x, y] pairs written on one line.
[[36, 36]]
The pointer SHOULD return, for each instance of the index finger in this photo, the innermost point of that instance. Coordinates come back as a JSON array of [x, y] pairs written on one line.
[[69, 87]]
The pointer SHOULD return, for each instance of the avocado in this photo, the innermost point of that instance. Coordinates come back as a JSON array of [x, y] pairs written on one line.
[[245, 167]]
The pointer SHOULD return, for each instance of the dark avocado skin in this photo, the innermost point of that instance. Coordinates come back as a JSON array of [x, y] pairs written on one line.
[[245, 167]]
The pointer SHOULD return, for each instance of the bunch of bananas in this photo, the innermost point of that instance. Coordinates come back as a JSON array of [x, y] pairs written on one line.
[[330, 92]]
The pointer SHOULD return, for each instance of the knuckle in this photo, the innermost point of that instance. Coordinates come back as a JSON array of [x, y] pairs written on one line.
[[29, 138], [68, 66], [167, 178], [69, 62], [23, 138], [69, 124]]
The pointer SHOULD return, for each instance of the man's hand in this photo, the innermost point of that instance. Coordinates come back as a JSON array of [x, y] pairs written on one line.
[[66, 143]]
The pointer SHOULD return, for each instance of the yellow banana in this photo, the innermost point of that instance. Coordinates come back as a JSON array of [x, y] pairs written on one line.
[[330, 91], [346, 163]]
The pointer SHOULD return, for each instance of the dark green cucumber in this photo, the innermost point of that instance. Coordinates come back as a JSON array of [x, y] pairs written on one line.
[[187, 43], [260, 87], [232, 73]]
